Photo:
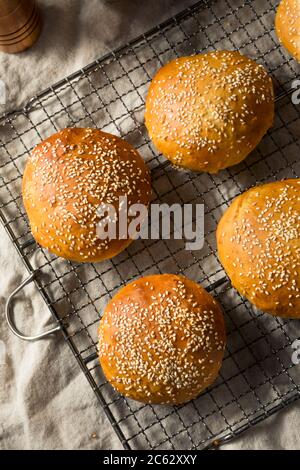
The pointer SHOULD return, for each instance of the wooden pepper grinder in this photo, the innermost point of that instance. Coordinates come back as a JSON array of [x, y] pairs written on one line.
[[20, 24]]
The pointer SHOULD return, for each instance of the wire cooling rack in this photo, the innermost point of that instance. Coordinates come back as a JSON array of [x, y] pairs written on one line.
[[258, 377]]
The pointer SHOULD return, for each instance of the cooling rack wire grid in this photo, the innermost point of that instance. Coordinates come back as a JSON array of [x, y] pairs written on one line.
[[257, 378]]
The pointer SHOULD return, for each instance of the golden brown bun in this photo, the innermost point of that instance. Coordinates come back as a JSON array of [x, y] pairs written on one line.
[[67, 177], [259, 246], [208, 112], [287, 25], [162, 339]]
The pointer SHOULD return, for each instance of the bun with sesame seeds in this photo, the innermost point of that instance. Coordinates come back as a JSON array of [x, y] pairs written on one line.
[[162, 340], [67, 177], [209, 111], [287, 24], [258, 241]]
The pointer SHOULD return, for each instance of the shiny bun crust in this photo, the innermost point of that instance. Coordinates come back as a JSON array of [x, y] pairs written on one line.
[[162, 339], [208, 112], [67, 177], [259, 246], [287, 26]]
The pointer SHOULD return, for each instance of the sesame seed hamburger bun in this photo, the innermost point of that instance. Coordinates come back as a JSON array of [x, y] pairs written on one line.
[[259, 246], [287, 25], [67, 177], [208, 112], [162, 340]]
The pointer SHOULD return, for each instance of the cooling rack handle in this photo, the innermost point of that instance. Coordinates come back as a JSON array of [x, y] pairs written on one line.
[[9, 315]]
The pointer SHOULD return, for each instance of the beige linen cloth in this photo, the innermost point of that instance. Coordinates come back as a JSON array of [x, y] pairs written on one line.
[[45, 400]]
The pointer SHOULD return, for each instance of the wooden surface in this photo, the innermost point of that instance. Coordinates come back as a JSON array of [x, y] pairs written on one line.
[[20, 24]]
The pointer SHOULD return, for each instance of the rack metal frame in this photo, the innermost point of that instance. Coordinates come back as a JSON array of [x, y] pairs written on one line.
[[258, 377]]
